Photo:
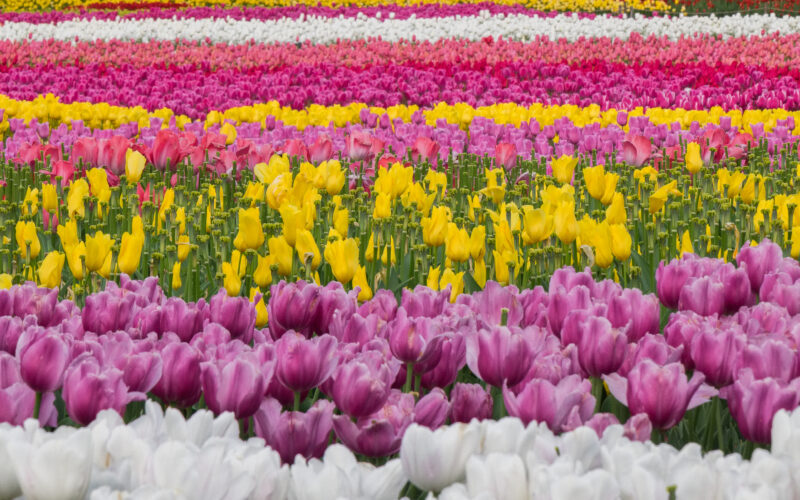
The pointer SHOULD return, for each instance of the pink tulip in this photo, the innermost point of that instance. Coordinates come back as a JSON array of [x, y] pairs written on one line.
[[295, 433], [505, 155], [637, 150], [303, 364]]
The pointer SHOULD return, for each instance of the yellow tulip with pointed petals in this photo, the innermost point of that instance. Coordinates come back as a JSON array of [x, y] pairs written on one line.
[[293, 222], [27, 239], [620, 241], [457, 244], [342, 256], [78, 191], [537, 225], [615, 213], [98, 181], [360, 281], [231, 280], [262, 316], [456, 282], [563, 168], [251, 234], [50, 269], [281, 253], [434, 228], [383, 206], [565, 223], [306, 246], [49, 198], [434, 273], [98, 249], [130, 248], [176, 276]]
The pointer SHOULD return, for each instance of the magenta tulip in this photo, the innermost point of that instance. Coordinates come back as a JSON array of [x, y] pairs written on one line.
[[90, 387], [43, 356], [361, 386], [714, 352], [237, 386], [705, 296], [499, 355], [562, 406], [753, 403], [180, 381], [468, 401], [432, 409], [661, 392], [295, 433], [759, 260], [601, 348], [303, 364]]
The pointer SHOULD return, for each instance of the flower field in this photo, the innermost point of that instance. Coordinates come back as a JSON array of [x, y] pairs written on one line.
[[368, 249]]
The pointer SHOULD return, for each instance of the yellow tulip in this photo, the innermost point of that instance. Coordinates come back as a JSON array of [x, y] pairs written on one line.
[[330, 177], [434, 228], [457, 244], [49, 198], [503, 238], [748, 193], [50, 269], [231, 280], [456, 282], [341, 219], [620, 241], [659, 197], [78, 191], [27, 239], [686, 243], [98, 248], [263, 273], [229, 131], [293, 222], [166, 204], [134, 166], [176, 276], [267, 172], [385, 256], [436, 180], [282, 254], [383, 206], [595, 180], [610, 190], [394, 181], [307, 248], [479, 272], [615, 213], [98, 181], [565, 224], [184, 246], [693, 159], [360, 281], [563, 168], [474, 204], [495, 185], [477, 242], [735, 184], [30, 204], [537, 225], [73, 255], [278, 190], [433, 278], [6, 281], [262, 316], [251, 234], [130, 249], [342, 256], [501, 270]]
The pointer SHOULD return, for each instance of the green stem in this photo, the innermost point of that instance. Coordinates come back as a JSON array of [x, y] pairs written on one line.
[[296, 406], [598, 391], [37, 405], [409, 377], [718, 411]]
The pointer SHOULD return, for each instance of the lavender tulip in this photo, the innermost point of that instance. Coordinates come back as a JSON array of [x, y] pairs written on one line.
[[180, 381], [715, 351], [294, 433], [182, 318], [641, 310], [753, 403], [561, 406], [302, 364], [468, 401], [43, 356], [705, 296], [90, 388], [661, 392]]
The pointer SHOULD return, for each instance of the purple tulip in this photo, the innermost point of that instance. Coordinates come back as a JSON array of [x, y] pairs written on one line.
[[432, 409], [236, 314], [763, 318], [141, 371], [534, 304], [714, 353], [568, 278], [452, 359], [90, 388], [780, 289], [108, 311], [759, 260], [562, 406], [705, 296], [355, 329], [601, 348], [414, 340], [43, 356], [489, 303], [670, 279], [361, 386], [381, 433], [424, 302], [753, 403], [468, 401], [383, 305], [737, 288], [661, 392], [642, 311], [183, 319], [771, 359], [652, 347], [181, 374], [17, 403], [295, 433], [638, 428], [303, 364], [563, 302], [499, 355], [293, 306], [10, 331], [237, 386]]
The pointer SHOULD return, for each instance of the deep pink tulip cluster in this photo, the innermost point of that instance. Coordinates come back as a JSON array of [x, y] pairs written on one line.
[[772, 51], [194, 91]]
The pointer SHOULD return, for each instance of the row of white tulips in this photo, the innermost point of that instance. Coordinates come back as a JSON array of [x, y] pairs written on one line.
[[163, 456], [327, 30]]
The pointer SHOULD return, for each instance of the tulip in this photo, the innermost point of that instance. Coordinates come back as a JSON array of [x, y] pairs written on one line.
[[434, 228], [303, 364], [321, 150], [705, 296], [563, 168], [27, 239], [112, 154], [56, 468], [360, 281], [497, 475], [294, 433], [505, 155], [90, 388], [251, 234], [307, 249], [181, 378], [342, 256], [661, 392], [237, 386], [185, 320], [231, 280], [358, 146], [98, 249], [433, 460], [130, 251], [362, 386], [693, 159], [455, 281], [379, 434], [499, 355], [753, 403], [636, 150], [714, 353], [562, 406], [281, 252], [758, 261], [425, 149], [565, 224], [43, 356], [85, 150], [235, 314], [659, 198], [166, 152], [50, 269], [470, 401], [601, 348], [457, 243], [98, 181]]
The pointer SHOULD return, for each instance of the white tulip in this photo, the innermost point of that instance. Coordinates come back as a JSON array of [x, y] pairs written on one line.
[[433, 460], [9, 485], [500, 475], [53, 467], [319, 480]]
